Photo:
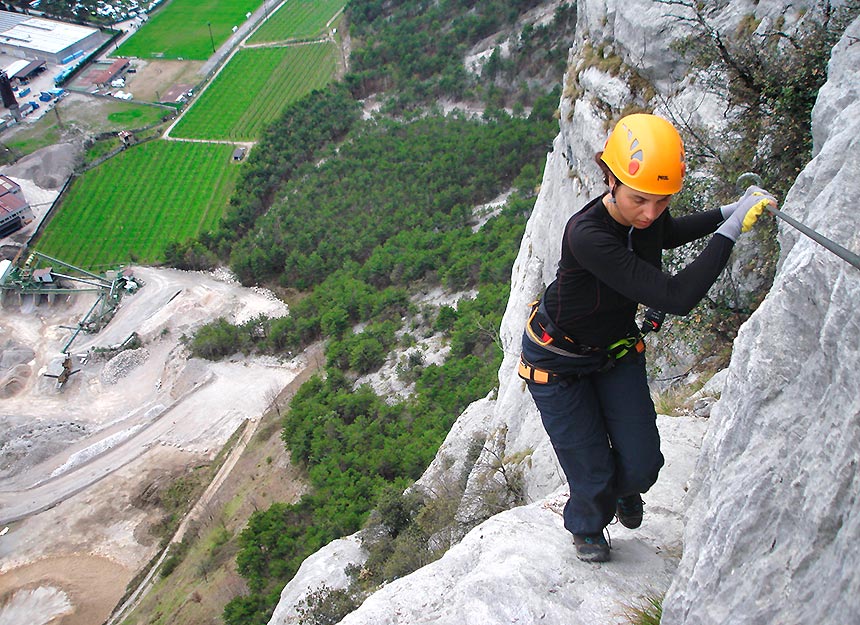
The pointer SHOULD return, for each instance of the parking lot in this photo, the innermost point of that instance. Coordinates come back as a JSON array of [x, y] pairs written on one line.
[[44, 82]]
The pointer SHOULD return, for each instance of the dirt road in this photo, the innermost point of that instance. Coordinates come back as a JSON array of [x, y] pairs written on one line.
[[73, 460]]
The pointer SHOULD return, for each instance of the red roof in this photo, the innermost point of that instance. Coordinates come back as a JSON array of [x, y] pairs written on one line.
[[11, 205], [7, 185], [106, 75], [11, 200]]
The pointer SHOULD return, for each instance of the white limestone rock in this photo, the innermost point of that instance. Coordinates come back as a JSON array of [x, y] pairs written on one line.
[[520, 566], [774, 524], [607, 88], [324, 568]]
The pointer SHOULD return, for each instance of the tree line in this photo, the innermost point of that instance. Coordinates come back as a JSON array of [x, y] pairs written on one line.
[[348, 218], [391, 211]]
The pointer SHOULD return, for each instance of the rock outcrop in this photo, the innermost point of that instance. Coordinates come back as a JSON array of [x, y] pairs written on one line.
[[772, 532], [520, 565]]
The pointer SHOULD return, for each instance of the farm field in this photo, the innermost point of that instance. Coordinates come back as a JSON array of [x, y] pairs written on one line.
[[127, 209], [297, 19], [253, 88], [182, 29]]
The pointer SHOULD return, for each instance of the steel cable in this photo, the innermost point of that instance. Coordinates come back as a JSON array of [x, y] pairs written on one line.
[[842, 252]]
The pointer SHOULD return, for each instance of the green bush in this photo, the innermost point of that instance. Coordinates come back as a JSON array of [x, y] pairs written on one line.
[[326, 606], [216, 340], [179, 550], [170, 565], [395, 509]]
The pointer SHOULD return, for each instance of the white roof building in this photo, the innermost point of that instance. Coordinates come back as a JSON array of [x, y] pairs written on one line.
[[28, 37], [16, 66]]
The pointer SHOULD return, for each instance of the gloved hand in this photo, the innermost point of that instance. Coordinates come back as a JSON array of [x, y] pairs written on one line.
[[745, 213], [727, 210]]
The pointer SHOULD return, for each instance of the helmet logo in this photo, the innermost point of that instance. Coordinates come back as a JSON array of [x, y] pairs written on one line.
[[636, 157]]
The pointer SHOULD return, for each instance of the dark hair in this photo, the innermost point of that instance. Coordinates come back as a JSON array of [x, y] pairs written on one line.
[[605, 169]]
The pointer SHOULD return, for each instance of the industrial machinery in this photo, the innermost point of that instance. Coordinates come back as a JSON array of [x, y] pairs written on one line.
[[61, 369], [42, 275]]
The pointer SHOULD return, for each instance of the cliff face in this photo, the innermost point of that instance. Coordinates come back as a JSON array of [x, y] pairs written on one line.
[[772, 532], [775, 499]]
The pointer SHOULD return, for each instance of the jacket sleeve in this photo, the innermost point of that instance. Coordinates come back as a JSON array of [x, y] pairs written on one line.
[[622, 270], [680, 230]]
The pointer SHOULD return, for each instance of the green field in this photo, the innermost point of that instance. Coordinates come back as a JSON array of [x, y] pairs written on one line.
[[297, 19], [253, 89], [127, 209], [181, 30]]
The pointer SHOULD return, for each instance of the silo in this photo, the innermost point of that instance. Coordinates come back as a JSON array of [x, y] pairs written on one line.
[[8, 95]]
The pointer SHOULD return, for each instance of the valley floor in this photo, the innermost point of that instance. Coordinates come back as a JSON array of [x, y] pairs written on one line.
[[78, 461]]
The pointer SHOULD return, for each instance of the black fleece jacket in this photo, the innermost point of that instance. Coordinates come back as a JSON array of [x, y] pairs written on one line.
[[607, 269]]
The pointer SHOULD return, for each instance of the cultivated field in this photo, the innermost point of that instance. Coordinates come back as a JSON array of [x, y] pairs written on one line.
[[128, 208], [252, 90], [297, 19], [188, 29]]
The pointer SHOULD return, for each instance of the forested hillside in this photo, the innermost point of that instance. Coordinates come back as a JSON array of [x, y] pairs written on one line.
[[415, 52], [389, 211], [349, 218]]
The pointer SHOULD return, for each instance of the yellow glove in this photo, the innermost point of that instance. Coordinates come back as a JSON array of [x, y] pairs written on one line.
[[754, 213], [745, 214]]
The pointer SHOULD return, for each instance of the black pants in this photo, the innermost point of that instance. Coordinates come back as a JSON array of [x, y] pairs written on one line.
[[603, 428]]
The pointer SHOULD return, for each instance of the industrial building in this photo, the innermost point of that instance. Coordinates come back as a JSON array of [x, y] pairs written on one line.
[[37, 38], [22, 70], [104, 77], [14, 209]]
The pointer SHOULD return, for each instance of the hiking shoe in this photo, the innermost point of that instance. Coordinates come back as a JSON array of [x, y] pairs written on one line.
[[629, 511], [591, 547]]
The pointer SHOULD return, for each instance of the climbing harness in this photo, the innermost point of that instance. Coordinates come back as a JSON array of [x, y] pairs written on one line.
[[847, 255], [546, 334], [652, 322], [619, 349], [543, 332], [539, 376]]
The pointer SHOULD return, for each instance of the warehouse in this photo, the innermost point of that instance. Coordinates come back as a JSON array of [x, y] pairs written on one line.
[[14, 209], [28, 37]]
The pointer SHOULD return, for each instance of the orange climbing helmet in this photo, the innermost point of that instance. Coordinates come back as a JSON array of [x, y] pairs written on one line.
[[646, 153]]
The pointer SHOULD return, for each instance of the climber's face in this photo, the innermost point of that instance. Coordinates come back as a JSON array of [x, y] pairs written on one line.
[[634, 208]]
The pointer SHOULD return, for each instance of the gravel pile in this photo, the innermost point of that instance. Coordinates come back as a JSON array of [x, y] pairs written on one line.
[[49, 167], [121, 365], [25, 443], [223, 274]]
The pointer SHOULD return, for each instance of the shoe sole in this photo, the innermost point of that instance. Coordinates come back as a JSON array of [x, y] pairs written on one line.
[[631, 525], [595, 557]]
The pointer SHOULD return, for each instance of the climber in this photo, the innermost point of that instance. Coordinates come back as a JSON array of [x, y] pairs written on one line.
[[582, 355]]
